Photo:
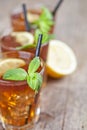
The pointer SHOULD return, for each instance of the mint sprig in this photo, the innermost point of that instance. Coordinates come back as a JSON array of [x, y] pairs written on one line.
[[33, 78], [46, 14], [43, 25], [45, 21], [46, 37]]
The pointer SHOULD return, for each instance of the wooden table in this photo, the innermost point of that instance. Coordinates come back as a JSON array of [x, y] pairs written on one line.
[[64, 101]]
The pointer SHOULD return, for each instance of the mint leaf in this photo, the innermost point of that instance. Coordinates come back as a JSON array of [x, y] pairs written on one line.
[[46, 14], [44, 27], [25, 46], [37, 32], [34, 65], [49, 22], [34, 81], [15, 74], [45, 21], [33, 78], [46, 37]]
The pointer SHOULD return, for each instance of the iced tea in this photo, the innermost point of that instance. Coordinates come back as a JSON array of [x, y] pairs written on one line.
[[9, 43], [19, 104], [18, 24]]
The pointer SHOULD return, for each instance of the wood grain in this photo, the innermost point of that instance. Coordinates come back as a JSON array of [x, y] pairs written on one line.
[[63, 102]]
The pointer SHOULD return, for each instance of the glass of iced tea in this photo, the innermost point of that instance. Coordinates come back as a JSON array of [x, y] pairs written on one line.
[[17, 19], [19, 104], [10, 43]]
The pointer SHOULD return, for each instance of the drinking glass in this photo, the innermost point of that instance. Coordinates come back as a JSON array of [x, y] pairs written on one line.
[[9, 43], [19, 104], [17, 17]]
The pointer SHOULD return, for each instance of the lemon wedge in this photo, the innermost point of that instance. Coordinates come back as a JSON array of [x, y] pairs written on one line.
[[61, 60], [10, 63], [23, 37], [32, 17]]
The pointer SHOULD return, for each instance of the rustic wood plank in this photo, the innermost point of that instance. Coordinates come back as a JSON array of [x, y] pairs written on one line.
[[73, 28], [76, 114], [63, 101]]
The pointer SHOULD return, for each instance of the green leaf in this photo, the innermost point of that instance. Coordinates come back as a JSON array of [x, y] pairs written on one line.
[[34, 65], [46, 37], [24, 47], [46, 14], [34, 81], [15, 74], [37, 32], [49, 22], [45, 21], [44, 27]]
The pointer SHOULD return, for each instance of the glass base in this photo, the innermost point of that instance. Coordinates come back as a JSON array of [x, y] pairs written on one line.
[[28, 126], [25, 127]]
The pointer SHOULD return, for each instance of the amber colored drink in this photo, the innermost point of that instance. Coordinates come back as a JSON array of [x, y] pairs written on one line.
[[18, 24], [9, 43], [19, 105]]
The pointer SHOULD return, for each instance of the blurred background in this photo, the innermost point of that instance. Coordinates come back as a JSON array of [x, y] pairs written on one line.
[[66, 99]]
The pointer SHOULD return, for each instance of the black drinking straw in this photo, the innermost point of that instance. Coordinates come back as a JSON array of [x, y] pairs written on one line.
[[38, 45], [57, 7], [27, 24], [36, 54]]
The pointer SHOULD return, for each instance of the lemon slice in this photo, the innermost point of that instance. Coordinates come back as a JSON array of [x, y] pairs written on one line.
[[61, 59], [23, 37], [32, 17], [10, 63]]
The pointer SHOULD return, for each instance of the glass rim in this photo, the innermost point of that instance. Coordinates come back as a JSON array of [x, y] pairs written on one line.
[[19, 83], [7, 32], [19, 127], [18, 8]]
